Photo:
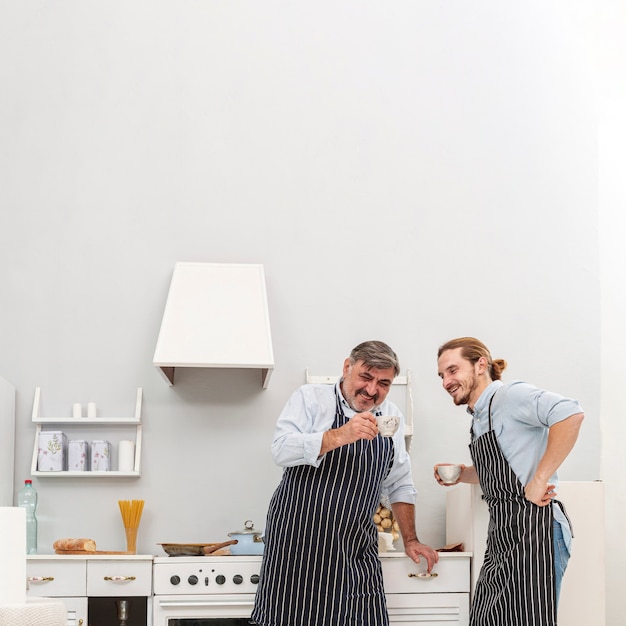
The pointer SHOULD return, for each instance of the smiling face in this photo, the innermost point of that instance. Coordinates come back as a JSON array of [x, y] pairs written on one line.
[[365, 387], [461, 378]]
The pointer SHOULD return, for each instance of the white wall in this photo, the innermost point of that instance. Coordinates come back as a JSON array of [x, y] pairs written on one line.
[[404, 171]]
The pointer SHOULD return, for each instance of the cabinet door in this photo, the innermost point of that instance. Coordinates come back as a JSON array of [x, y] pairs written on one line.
[[56, 578], [428, 609], [76, 611], [119, 578]]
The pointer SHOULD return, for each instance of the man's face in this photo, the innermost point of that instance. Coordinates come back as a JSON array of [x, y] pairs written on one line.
[[363, 387], [460, 377]]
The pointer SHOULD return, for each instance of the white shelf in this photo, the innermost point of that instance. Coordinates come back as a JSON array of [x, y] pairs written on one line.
[[84, 425]]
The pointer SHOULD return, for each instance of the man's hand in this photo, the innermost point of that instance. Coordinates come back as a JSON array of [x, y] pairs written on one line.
[[415, 550], [539, 492], [359, 426]]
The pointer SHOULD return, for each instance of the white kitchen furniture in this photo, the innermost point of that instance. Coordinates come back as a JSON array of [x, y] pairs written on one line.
[[583, 594], [91, 583], [216, 315], [416, 598], [113, 429], [7, 441]]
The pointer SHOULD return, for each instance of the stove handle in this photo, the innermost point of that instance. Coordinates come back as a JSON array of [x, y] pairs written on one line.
[[119, 578], [203, 603]]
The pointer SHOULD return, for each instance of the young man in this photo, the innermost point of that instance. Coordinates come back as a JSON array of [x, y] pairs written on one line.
[[520, 435], [320, 565]]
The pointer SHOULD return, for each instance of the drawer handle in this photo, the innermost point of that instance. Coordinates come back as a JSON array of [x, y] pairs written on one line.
[[424, 575], [117, 579], [39, 579]]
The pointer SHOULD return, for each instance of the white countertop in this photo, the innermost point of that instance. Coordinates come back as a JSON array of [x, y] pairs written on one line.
[[82, 557], [395, 554]]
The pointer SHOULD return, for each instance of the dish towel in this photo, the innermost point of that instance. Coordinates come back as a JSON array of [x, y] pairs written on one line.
[[36, 612]]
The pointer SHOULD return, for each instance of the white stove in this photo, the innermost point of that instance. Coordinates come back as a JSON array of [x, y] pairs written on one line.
[[204, 590]]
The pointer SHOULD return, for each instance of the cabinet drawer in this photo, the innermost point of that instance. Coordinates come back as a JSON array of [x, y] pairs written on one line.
[[56, 579], [453, 575], [119, 578], [428, 609]]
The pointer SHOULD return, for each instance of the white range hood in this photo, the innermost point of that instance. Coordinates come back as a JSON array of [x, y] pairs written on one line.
[[216, 315]]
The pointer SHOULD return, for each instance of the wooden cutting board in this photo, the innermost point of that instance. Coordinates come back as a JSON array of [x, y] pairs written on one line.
[[88, 552]]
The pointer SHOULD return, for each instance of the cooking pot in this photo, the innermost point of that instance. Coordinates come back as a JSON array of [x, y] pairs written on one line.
[[249, 541]]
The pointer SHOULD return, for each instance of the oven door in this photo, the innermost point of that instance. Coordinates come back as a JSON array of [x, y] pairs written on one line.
[[216, 610]]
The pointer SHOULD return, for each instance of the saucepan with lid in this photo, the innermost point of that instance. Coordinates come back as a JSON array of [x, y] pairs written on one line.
[[249, 540]]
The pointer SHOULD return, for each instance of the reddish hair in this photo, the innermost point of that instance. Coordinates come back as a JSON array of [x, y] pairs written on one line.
[[472, 349]]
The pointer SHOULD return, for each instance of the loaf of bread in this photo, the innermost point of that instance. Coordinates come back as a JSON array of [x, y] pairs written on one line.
[[71, 544]]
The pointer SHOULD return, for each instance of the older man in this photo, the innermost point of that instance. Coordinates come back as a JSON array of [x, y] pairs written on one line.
[[321, 566]]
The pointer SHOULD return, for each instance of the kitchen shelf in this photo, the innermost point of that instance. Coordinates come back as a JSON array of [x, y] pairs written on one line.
[[398, 380], [85, 425]]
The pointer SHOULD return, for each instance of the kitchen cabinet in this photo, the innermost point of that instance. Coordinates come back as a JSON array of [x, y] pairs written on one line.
[[112, 429], [90, 585], [583, 592], [414, 598]]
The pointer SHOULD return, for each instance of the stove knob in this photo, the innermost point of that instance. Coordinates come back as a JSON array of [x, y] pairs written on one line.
[[175, 580], [254, 579], [192, 580], [221, 579], [237, 579]]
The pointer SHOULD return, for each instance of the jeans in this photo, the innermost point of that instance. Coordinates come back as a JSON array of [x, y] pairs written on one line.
[[561, 558]]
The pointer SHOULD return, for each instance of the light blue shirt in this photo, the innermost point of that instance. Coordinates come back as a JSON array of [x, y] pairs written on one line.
[[310, 412], [521, 416]]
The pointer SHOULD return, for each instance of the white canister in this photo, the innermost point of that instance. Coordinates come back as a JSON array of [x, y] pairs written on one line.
[[100, 456], [52, 451], [126, 456], [91, 409], [77, 456]]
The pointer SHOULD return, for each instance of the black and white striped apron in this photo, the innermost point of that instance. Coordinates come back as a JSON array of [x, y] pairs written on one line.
[[516, 583], [320, 565]]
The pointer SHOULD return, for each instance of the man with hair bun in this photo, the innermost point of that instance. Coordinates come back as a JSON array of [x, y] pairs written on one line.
[[520, 435]]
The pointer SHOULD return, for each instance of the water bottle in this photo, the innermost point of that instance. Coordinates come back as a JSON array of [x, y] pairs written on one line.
[[27, 498]]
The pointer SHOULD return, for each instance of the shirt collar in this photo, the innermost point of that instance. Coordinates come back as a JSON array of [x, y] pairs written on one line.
[[482, 404]]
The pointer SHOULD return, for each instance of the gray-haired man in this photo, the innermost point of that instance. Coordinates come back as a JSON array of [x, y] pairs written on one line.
[[321, 561]]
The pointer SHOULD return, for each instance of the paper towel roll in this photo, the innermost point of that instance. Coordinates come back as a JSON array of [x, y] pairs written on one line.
[[126, 456], [13, 561]]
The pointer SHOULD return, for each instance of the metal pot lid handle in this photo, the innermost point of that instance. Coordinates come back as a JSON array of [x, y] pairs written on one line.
[[248, 529]]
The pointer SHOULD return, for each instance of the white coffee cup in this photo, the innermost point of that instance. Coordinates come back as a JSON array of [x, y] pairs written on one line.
[[449, 473], [387, 424]]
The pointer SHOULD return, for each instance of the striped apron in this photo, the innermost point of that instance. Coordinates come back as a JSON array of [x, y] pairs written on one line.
[[516, 583], [320, 564]]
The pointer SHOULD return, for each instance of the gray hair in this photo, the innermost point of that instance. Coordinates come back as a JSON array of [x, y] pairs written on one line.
[[375, 354]]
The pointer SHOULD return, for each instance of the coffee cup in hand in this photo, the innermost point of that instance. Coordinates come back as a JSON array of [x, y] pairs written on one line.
[[387, 424], [449, 473]]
